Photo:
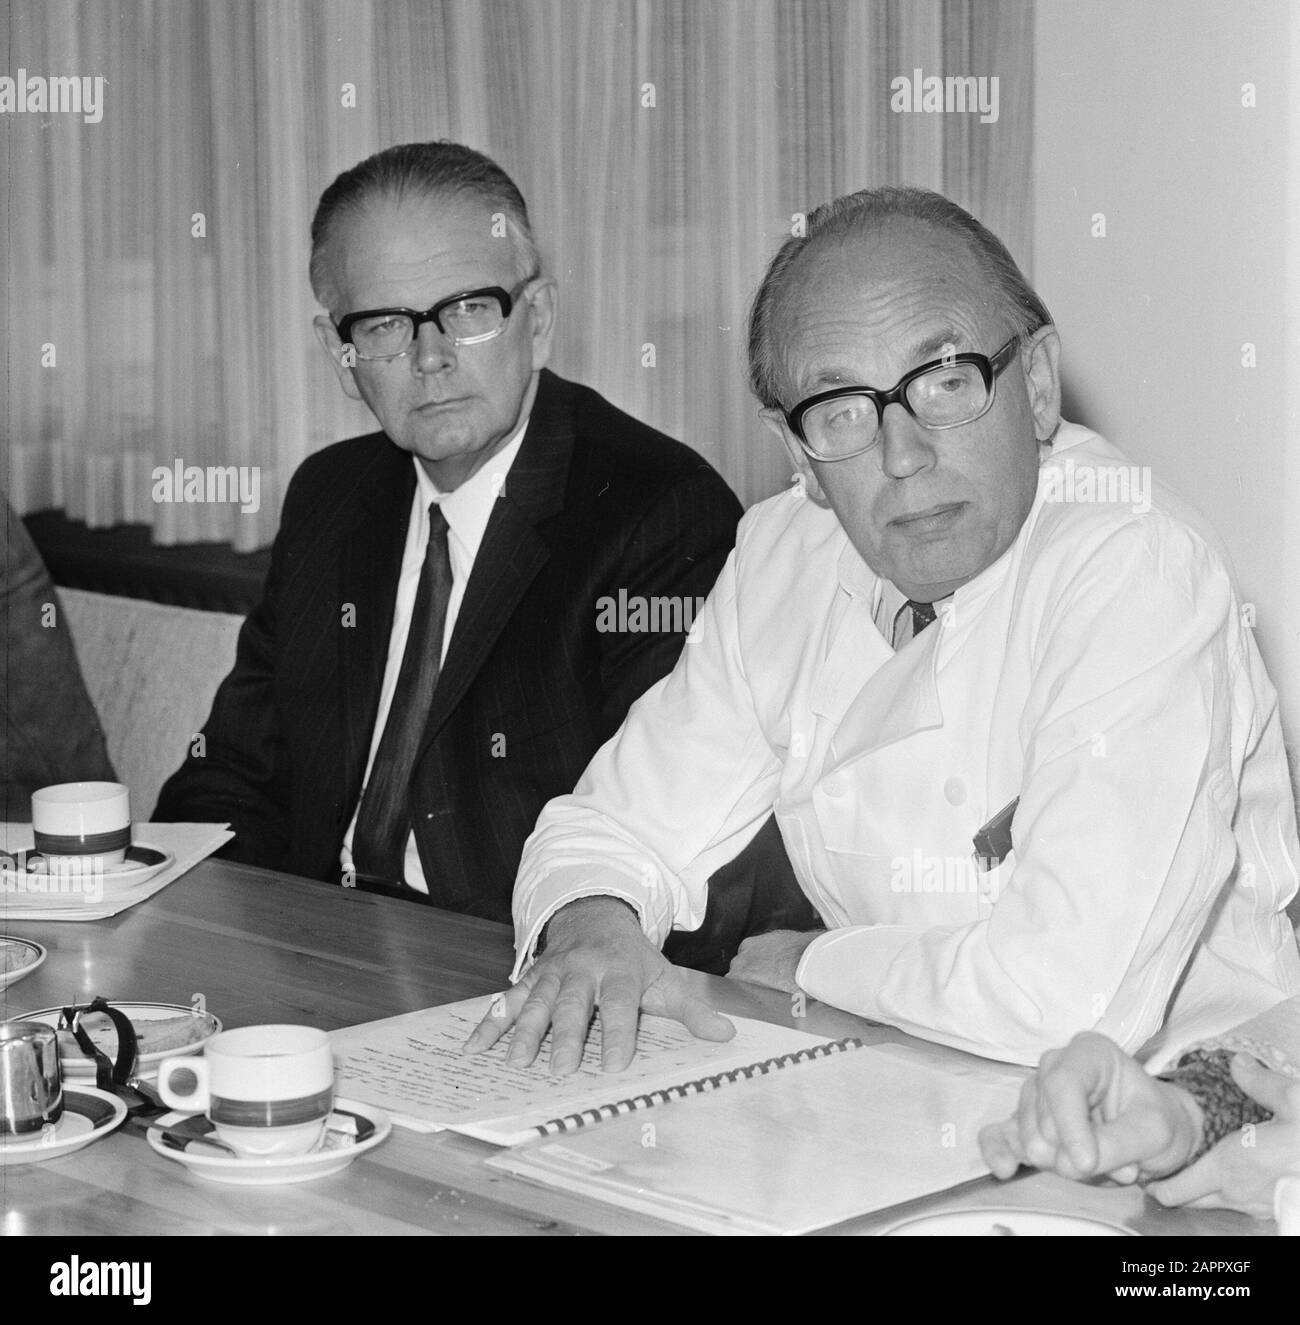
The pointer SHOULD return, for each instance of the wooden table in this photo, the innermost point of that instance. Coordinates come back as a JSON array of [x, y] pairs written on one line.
[[262, 947]]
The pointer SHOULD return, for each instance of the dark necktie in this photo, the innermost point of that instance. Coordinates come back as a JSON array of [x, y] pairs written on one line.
[[922, 616], [384, 821]]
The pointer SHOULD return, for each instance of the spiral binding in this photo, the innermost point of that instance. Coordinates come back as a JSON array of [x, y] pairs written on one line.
[[573, 1121]]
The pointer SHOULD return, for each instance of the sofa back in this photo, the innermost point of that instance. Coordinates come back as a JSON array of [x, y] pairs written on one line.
[[152, 671]]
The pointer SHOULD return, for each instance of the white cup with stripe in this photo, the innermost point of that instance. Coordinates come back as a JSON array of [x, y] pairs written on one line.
[[267, 1090], [82, 825]]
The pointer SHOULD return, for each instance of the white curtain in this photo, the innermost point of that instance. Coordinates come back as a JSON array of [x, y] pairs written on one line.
[[157, 307]]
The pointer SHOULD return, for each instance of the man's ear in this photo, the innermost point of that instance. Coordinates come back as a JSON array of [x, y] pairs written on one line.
[[805, 476], [340, 355], [542, 299], [1041, 358]]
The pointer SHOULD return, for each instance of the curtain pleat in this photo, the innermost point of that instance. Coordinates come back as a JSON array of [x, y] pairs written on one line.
[[233, 41], [665, 148], [185, 280], [341, 120], [33, 470]]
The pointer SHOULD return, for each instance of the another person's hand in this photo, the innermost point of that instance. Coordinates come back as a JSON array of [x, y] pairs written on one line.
[[772, 959], [596, 958], [1090, 1110], [1242, 1170]]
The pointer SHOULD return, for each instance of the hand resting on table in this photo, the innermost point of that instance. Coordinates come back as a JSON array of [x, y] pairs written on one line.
[[596, 959]]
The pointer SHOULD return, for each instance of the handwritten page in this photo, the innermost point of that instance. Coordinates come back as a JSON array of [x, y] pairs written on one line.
[[793, 1151], [413, 1067]]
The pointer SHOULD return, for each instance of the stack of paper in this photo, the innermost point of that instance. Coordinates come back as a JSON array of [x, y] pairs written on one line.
[[102, 893]]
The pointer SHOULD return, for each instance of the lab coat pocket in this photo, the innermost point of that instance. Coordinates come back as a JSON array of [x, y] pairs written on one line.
[[899, 846]]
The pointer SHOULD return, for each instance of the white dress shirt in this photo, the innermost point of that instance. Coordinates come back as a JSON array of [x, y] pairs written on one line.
[[1100, 670], [467, 510]]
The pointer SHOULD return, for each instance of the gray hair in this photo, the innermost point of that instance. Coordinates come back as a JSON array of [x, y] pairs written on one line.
[[441, 169], [855, 214]]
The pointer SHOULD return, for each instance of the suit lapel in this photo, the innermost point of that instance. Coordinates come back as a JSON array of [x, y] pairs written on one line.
[[512, 551], [370, 564]]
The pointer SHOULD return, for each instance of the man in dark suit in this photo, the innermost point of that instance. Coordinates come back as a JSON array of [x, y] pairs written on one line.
[[432, 659]]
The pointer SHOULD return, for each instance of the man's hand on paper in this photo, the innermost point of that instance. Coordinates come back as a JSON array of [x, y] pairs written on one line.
[[1241, 1171], [596, 958], [1089, 1110], [771, 959]]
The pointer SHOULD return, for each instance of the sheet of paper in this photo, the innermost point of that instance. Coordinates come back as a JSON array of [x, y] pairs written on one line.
[[803, 1148], [413, 1067], [25, 897]]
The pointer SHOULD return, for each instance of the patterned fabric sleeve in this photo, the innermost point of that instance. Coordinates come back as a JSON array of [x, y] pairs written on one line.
[[1205, 1075]]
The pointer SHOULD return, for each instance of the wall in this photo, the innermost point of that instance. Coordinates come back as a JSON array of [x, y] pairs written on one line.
[[1139, 116]]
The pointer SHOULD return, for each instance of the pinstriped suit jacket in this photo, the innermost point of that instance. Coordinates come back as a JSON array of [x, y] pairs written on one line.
[[595, 503]]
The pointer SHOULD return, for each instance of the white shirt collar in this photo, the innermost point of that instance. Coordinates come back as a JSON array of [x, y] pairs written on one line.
[[468, 508]]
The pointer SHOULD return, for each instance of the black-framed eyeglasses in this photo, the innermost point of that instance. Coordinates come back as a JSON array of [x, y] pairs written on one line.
[[845, 422], [467, 318]]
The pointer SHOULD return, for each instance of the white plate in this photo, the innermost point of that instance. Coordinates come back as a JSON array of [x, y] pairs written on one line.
[[88, 1114], [77, 1067], [142, 862], [266, 1172], [995, 1221], [18, 958]]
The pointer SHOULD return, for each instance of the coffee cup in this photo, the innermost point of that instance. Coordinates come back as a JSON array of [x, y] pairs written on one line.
[[31, 1089], [267, 1090], [82, 825]]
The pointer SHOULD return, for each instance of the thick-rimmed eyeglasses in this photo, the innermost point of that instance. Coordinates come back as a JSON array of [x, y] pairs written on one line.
[[467, 318], [845, 422]]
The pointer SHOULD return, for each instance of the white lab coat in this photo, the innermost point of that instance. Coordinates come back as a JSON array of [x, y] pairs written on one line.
[[1100, 670]]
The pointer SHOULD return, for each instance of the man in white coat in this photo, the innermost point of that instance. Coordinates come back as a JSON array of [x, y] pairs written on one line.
[[969, 630]]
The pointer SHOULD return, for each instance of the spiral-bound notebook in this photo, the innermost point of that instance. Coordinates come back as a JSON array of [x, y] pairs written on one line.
[[413, 1067], [840, 1135]]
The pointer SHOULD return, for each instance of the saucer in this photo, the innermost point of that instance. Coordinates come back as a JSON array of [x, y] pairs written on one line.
[[77, 1067], [88, 1114], [1003, 1221], [18, 958], [142, 862], [372, 1125]]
